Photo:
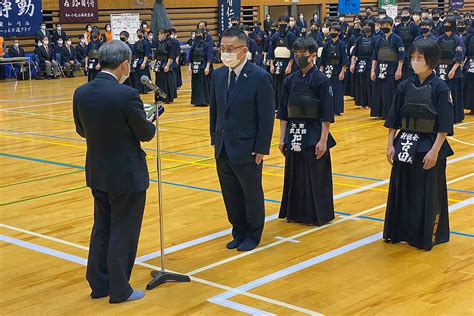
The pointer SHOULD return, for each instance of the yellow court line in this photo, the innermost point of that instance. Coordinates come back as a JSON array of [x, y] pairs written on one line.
[[43, 141]]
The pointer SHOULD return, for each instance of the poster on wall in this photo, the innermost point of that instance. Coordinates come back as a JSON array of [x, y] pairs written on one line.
[[78, 11], [390, 6], [20, 17], [129, 22], [227, 9], [457, 4], [348, 7]]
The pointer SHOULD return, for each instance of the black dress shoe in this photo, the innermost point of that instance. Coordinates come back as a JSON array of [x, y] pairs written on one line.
[[234, 244], [247, 245]]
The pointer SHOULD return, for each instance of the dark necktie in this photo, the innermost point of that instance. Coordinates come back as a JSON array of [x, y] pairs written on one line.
[[233, 77]]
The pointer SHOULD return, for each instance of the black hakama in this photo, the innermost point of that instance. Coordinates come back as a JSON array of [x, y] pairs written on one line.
[[201, 85], [167, 83], [382, 96], [338, 89], [137, 75], [468, 92], [363, 87], [455, 85], [417, 206], [279, 77], [307, 191]]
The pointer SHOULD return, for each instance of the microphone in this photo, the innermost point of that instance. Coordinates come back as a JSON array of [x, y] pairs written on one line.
[[147, 82]]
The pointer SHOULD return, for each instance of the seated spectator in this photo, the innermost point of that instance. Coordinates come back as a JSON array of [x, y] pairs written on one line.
[[42, 33], [17, 51], [80, 51], [47, 62], [58, 34], [107, 35], [69, 60], [87, 34]]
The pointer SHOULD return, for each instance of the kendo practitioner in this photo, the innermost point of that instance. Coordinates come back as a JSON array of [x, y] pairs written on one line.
[[449, 69], [251, 45], [281, 56], [306, 112], [130, 81], [417, 205], [164, 59], [437, 27], [333, 63], [387, 64], [361, 64], [292, 27], [350, 44], [176, 65], [199, 67], [317, 35], [93, 66], [408, 31], [260, 38], [141, 54], [425, 30], [469, 71], [377, 28]]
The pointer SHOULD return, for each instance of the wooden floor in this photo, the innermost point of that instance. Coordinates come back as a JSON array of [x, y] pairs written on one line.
[[342, 268]]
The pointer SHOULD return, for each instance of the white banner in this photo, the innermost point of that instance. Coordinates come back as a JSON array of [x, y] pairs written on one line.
[[129, 22]]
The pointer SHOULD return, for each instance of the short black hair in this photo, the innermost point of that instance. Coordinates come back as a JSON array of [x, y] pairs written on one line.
[[234, 18], [284, 18], [405, 9], [368, 8], [369, 23], [305, 43], [245, 28], [387, 20], [436, 11], [452, 21], [429, 49], [124, 34], [335, 27], [425, 23], [382, 11], [235, 32]]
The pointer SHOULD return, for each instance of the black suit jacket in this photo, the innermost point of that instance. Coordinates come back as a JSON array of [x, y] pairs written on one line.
[[80, 52], [56, 36], [44, 56], [13, 52], [66, 54], [40, 35], [110, 116], [242, 121]]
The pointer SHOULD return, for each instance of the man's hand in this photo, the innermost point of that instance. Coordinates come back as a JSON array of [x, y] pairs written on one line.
[[342, 75], [272, 69], [373, 76], [97, 67], [429, 161], [167, 69], [190, 70], [143, 65], [390, 154], [398, 74], [321, 148], [258, 158], [282, 147], [352, 69]]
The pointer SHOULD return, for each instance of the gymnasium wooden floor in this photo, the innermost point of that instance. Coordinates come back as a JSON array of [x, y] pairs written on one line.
[[342, 268]]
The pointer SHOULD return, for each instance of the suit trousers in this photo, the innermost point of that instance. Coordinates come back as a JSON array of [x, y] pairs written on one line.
[[241, 185], [114, 240], [52, 65]]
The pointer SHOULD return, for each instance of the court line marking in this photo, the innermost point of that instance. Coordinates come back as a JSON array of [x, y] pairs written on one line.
[[83, 262], [461, 178], [460, 141], [38, 179], [239, 307], [318, 259], [197, 156], [212, 236], [34, 106]]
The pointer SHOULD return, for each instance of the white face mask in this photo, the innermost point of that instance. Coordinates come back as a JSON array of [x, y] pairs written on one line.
[[419, 66], [108, 29], [43, 27], [325, 30], [230, 59]]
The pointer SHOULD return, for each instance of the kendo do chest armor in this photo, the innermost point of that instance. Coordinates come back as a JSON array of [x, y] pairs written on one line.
[[404, 33], [282, 51], [333, 55], [199, 54], [448, 48], [418, 112], [386, 52], [161, 52], [365, 48], [303, 105]]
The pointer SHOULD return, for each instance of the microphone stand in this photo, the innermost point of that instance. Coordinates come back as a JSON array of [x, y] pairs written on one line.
[[162, 276]]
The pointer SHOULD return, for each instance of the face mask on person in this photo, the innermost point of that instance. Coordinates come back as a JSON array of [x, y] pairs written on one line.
[[83, 41], [230, 59], [436, 18], [382, 16], [386, 30], [43, 27], [144, 26], [45, 43], [334, 35], [283, 27], [447, 28], [419, 66], [60, 43], [89, 29], [416, 17], [367, 30], [405, 18], [126, 73], [356, 32], [58, 28], [341, 20], [123, 39], [68, 43], [461, 29], [107, 28], [235, 24], [17, 45], [303, 61], [301, 17]]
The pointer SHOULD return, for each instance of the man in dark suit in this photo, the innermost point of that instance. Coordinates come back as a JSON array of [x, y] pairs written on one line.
[[111, 118], [17, 51], [46, 59], [68, 59], [81, 50], [58, 33], [241, 124], [42, 33]]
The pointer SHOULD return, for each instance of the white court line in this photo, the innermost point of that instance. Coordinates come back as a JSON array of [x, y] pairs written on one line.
[[239, 307], [461, 178], [207, 238], [460, 141], [35, 105], [276, 243], [461, 204], [39, 114], [83, 262]]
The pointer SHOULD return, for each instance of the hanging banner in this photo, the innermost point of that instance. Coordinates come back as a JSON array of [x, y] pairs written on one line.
[[129, 22], [390, 6], [227, 9], [78, 11], [348, 7], [457, 4], [20, 17]]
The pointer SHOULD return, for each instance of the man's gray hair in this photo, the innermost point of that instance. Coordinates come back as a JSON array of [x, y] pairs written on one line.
[[113, 53]]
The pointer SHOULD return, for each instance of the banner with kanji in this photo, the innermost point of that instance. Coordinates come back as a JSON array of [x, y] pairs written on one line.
[[78, 11], [227, 9], [20, 17], [348, 7], [390, 6]]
